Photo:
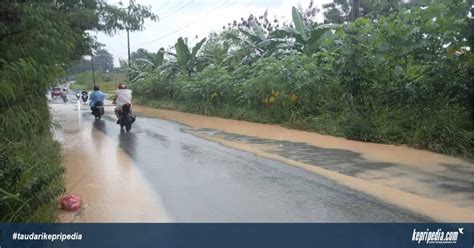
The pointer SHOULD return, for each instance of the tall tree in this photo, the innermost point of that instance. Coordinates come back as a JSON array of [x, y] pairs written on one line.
[[340, 11], [103, 60], [140, 53]]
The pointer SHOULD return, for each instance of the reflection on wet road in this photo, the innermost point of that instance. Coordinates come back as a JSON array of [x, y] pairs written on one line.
[[199, 180], [453, 182], [111, 186]]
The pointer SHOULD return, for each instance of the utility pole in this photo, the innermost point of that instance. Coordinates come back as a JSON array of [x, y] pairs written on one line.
[[355, 9], [130, 2], [93, 68], [128, 45], [471, 8]]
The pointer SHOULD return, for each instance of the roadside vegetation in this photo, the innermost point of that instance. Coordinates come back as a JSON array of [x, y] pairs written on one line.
[[108, 82], [398, 73], [106, 76], [39, 40]]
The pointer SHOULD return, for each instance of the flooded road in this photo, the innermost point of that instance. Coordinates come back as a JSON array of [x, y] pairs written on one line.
[[161, 171], [112, 188], [424, 182]]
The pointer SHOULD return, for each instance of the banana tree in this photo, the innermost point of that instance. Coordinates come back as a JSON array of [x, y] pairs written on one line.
[[189, 59], [158, 58], [153, 60], [258, 44], [136, 71], [140, 68], [306, 38]]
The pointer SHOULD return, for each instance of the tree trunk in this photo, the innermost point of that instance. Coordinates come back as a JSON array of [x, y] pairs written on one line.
[[355, 9]]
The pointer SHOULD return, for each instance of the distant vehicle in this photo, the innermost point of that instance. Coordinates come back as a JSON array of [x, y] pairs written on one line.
[[78, 94], [85, 96], [64, 95], [56, 91]]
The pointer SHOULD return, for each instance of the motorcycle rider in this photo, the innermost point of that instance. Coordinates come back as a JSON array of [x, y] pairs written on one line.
[[84, 95], [64, 94], [96, 96], [122, 96]]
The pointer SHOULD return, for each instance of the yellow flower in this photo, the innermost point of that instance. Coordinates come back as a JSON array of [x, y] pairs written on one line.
[[272, 99], [293, 97]]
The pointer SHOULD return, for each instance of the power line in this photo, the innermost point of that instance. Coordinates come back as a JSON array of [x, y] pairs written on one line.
[[163, 5], [182, 7], [171, 7], [174, 9], [183, 27], [195, 21]]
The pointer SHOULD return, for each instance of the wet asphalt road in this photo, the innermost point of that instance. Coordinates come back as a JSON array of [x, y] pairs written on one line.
[[202, 181]]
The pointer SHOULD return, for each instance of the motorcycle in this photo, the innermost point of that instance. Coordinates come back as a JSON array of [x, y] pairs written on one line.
[[64, 96], [126, 119], [84, 96], [78, 95], [98, 110]]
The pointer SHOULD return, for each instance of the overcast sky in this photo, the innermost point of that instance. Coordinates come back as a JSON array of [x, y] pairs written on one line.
[[188, 18]]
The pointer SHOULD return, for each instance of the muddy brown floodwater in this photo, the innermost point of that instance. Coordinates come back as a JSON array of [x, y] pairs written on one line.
[[96, 168], [424, 182], [373, 151]]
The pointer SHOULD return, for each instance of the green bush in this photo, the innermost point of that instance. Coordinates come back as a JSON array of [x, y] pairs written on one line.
[[38, 40], [404, 78], [213, 85], [30, 181], [30, 171], [445, 129], [357, 125]]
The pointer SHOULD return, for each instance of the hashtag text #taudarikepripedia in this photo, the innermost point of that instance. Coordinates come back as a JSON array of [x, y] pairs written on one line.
[[47, 236]]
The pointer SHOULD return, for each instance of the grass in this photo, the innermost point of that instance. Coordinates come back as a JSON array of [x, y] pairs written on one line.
[[347, 124], [107, 87], [108, 82], [225, 111], [31, 180]]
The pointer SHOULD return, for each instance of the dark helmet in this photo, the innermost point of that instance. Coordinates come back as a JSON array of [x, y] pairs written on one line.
[[96, 88], [122, 86]]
